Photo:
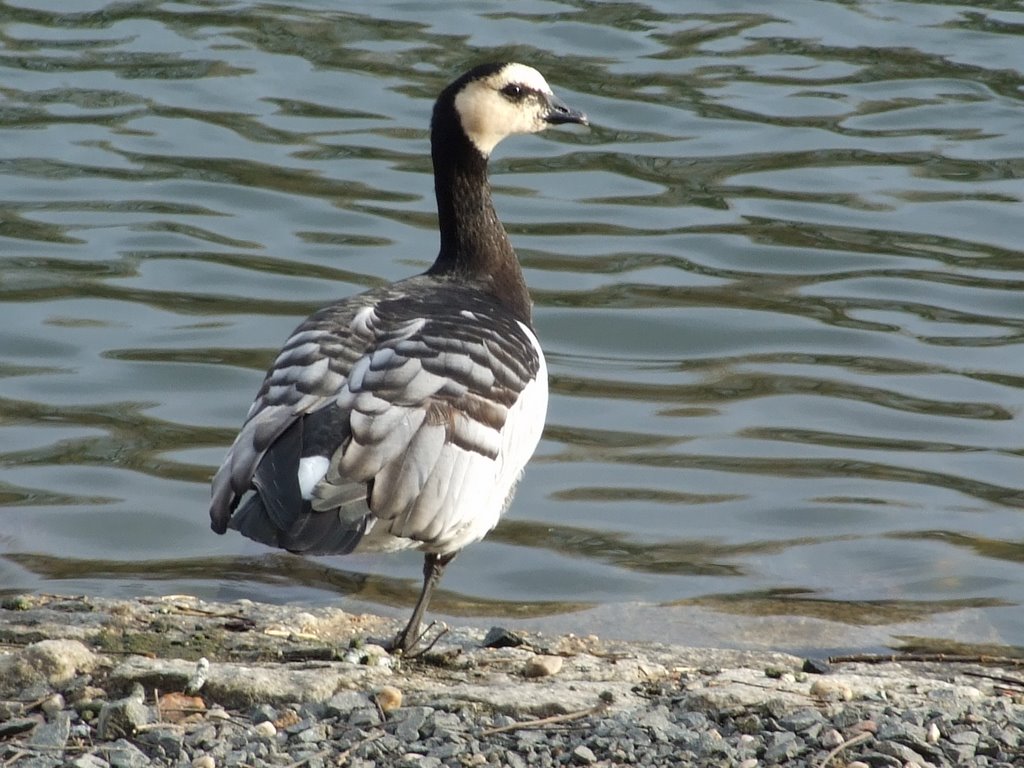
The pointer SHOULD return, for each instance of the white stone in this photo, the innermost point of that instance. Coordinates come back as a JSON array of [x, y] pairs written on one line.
[[266, 729], [831, 738], [543, 666]]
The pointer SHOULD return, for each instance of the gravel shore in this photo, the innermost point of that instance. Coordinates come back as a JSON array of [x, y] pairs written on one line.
[[176, 681]]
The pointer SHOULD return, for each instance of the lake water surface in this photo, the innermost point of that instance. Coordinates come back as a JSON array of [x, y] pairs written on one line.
[[780, 282]]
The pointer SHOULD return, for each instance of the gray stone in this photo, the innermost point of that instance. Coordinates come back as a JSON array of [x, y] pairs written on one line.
[[499, 637], [695, 720], [988, 748], [846, 717], [447, 751], [904, 753], [236, 685], [343, 703], [17, 725], [877, 760], [262, 713], [1007, 735], [40, 761], [203, 737], [122, 717], [965, 737], [959, 753], [89, 760], [801, 720], [749, 724], [446, 720], [658, 723], [784, 746], [706, 744], [10, 709], [303, 758], [302, 725], [583, 755], [50, 662], [124, 754], [361, 718], [529, 738], [905, 732], [313, 734], [52, 735], [167, 741], [410, 722]]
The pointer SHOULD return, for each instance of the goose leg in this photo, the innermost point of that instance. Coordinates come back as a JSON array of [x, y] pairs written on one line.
[[433, 568]]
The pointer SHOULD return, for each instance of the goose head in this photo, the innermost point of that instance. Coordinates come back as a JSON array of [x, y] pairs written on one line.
[[493, 101]]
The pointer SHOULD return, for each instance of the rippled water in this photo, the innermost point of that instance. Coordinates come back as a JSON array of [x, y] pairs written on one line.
[[780, 284]]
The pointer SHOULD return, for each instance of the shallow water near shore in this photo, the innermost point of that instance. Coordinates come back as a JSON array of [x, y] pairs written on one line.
[[779, 282]]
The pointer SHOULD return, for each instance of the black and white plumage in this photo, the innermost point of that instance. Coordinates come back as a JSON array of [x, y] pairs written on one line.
[[403, 417]]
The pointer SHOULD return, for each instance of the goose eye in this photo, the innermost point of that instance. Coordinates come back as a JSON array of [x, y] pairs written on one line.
[[514, 91]]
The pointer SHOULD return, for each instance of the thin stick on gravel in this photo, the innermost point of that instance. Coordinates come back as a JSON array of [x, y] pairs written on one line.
[[943, 658], [855, 740], [18, 754], [545, 720], [1004, 679], [343, 755]]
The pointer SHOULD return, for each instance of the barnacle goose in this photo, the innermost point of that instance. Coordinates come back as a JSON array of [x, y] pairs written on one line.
[[403, 417]]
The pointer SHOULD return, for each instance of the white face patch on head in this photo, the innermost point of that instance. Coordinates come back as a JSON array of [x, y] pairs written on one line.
[[524, 75], [488, 116]]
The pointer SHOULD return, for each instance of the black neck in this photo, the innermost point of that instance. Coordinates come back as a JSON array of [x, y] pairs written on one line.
[[473, 241]]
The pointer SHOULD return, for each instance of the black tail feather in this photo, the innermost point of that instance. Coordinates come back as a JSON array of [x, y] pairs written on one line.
[[276, 514]]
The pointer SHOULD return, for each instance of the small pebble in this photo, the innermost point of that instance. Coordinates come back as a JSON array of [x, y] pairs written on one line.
[[376, 656], [583, 755], [817, 666], [52, 705], [543, 666], [388, 698], [88, 761], [265, 730], [831, 738], [499, 637], [353, 656], [864, 726], [287, 719], [827, 689]]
